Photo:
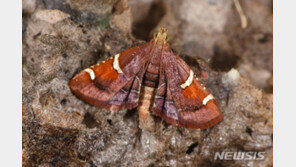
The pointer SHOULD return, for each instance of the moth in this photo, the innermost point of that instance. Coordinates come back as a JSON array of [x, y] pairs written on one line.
[[152, 78]]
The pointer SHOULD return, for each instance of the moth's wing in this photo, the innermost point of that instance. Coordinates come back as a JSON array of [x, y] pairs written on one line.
[[114, 83], [128, 96], [193, 105], [163, 104]]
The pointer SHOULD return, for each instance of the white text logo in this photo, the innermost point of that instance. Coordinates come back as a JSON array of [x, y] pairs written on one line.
[[239, 155]]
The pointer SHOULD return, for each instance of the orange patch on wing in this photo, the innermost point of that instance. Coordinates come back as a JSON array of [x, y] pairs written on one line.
[[105, 70], [191, 91], [194, 92], [84, 77], [81, 78]]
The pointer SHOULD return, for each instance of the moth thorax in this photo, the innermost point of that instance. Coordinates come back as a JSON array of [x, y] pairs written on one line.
[[145, 102]]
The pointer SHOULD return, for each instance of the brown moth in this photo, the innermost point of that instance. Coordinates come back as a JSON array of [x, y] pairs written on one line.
[[152, 78]]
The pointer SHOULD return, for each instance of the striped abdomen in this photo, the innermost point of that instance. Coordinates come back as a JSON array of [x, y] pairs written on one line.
[[150, 82]]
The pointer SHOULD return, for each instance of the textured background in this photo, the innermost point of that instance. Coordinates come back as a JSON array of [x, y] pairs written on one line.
[[62, 37]]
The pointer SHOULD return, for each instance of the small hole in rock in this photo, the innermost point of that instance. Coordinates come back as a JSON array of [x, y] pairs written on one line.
[[130, 113], [143, 26], [36, 35], [57, 162], [191, 148], [89, 121], [265, 38], [64, 55], [83, 158], [265, 122], [63, 101], [223, 61], [109, 121], [249, 131], [151, 165]]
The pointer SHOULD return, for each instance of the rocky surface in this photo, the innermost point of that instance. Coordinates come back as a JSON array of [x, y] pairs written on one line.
[[60, 38]]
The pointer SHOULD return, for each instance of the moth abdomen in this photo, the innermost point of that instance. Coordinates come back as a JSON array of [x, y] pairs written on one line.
[[145, 101], [150, 80]]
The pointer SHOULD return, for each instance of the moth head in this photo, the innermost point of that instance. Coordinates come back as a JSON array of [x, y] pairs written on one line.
[[161, 36]]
